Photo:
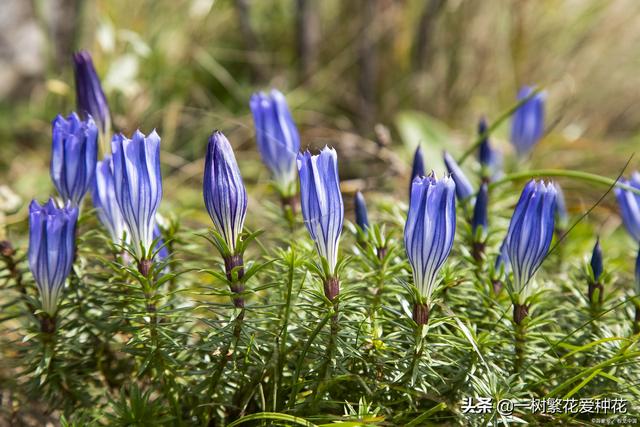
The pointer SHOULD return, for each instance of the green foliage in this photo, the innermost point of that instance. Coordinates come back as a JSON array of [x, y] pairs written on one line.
[[292, 357]]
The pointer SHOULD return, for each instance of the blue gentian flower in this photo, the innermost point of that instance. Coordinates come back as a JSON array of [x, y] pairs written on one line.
[[417, 168], [138, 186], [52, 233], [104, 199], [73, 156], [502, 260], [500, 269], [430, 229], [562, 215], [160, 247], [224, 193], [490, 159], [89, 94], [277, 137], [480, 218], [597, 266], [485, 154], [362, 219], [321, 201], [629, 203], [530, 232], [527, 126], [464, 189]]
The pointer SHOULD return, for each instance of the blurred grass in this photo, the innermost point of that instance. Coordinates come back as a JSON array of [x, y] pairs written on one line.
[[425, 69]]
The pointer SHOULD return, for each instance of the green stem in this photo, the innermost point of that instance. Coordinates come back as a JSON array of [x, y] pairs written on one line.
[[325, 370], [305, 350], [288, 203], [583, 176], [153, 320], [417, 350], [377, 298], [520, 345], [504, 116], [145, 267], [285, 326], [224, 359]]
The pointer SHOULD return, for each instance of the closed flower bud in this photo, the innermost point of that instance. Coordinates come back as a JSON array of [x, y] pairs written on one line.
[[527, 126], [596, 270], [562, 215], [73, 156], [484, 150], [90, 98], [362, 219], [162, 252], [464, 189], [417, 168], [629, 204], [321, 201], [138, 186], [430, 229], [530, 232], [224, 193], [104, 199], [480, 216], [52, 232], [596, 262], [500, 268], [489, 158], [277, 138]]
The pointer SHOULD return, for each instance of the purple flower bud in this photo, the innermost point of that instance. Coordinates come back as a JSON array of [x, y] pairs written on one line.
[[322, 206], [52, 233], [224, 193], [530, 232], [89, 95], [277, 138], [160, 247], [490, 158], [417, 168], [73, 156], [430, 229], [596, 261], [527, 126], [362, 219], [464, 189], [629, 203], [484, 150], [138, 185], [562, 216], [480, 210]]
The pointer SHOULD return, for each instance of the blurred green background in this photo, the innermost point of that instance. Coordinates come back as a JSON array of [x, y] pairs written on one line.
[[372, 78]]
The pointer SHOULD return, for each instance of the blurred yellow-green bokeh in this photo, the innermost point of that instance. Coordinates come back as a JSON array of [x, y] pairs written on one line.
[[360, 75]]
